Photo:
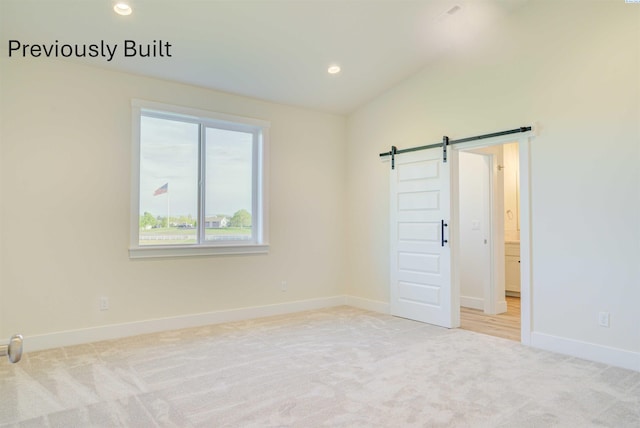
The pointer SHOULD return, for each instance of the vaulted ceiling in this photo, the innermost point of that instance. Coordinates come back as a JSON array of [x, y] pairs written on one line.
[[276, 50]]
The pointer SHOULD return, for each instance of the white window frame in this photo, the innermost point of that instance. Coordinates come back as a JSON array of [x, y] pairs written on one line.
[[260, 241]]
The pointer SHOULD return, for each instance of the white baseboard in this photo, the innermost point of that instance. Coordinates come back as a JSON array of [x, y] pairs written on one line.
[[472, 302], [116, 331], [501, 307], [588, 351], [367, 304], [612, 356]]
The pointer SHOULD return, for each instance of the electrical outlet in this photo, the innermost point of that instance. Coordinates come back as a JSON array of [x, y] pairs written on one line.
[[603, 319], [283, 286], [104, 303]]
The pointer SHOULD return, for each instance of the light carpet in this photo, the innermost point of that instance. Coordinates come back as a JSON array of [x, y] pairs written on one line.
[[338, 367]]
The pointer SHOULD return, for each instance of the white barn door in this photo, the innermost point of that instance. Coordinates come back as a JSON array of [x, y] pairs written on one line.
[[420, 259]]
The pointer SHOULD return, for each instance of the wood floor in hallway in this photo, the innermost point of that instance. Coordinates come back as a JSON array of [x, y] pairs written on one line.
[[505, 325]]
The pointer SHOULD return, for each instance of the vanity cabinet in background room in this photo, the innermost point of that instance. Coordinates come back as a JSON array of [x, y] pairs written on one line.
[[512, 268]]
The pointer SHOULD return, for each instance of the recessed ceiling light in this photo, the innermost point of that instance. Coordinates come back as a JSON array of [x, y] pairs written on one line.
[[122, 8], [333, 69]]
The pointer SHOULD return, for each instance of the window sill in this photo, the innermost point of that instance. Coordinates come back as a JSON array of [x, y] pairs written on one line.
[[196, 250]]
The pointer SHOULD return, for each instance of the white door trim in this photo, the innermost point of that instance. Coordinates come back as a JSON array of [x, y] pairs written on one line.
[[524, 141], [526, 243]]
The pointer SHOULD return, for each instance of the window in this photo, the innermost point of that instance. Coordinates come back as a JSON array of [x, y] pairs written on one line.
[[198, 182]]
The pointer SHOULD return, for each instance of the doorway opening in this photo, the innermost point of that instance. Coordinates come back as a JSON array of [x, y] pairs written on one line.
[[425, 249], [489, 240]]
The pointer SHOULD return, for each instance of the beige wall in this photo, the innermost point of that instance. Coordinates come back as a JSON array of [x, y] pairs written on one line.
[[574, 68], [66, 144]]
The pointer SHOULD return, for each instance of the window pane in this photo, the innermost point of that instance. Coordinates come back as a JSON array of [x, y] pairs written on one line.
[[168, 182], [228, 199]]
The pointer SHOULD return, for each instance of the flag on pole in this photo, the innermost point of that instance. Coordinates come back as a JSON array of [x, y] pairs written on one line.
[[162, 189]]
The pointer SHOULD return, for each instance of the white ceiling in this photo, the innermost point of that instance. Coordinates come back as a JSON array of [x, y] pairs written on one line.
[[276, 50]]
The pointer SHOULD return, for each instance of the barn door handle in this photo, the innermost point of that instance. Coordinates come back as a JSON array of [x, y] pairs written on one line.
[[13, 350], [442, 226]]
